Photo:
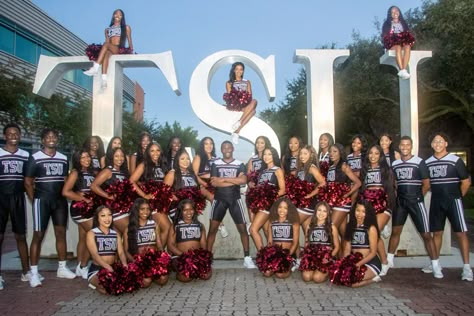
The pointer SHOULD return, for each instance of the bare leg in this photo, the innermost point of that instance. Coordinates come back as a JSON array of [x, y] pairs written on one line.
[[438, 241], [394, 238], [406, 56], [35, 247], [382, 220], [82, 252], [211, 235], [106, 48], [244, 236], [164, 225], [259, 220], [121, 224], [307, 275], [464, 246], [22, 247], [95, 282], [320, 277], [398, 56], [248, 113], [368, 278], [61, 245]]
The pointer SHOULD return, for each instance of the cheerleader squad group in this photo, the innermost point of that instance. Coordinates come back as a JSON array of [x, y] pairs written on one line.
[[137, 214]]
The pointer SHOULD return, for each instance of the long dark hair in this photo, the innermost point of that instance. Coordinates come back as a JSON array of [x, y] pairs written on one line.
[[149, 164], [95, 218], [286, 159], [330, 141], [313, 160], [140, 153], [169, 152], [365, 145], [292, 216], [387, 24], [232, 69], [177, 170], [369, 220], [124, 166], [108, 154], [388, 180], [76, 164], [391, 148], [123, 27], [100, 147], [342, 155], [179, 211], [201, 152], [134, 224], [267, 141], [327, 223], [276, 158]]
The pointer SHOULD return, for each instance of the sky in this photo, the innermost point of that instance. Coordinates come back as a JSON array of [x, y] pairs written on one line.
[[193, 30]]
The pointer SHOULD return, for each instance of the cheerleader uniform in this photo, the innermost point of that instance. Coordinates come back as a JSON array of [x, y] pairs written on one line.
[[324, 163], [106, 246], [268, 175], [398, 36], [83, 185], [146, 235], [360, 240], [282, 232], [187, 181], [96, 165], [257, 163], [240, 85], [318, 235], [310, 178], [205, 170], [117, 175], [355, 162], [188, 232], [373, 179], [334, 176]]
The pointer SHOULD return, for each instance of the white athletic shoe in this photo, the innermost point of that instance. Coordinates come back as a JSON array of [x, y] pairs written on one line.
[[82, 272], [403, 74], [428, 269], [223, 231], [93, 70], [103, 83], [437, 273], [235, 138], [65, 273], [25, 277], [296, 265], [386, 231], [1, 282], [377, 278], [236, 125], [384, 270], [248, 263], [466, 274], [34, 280]]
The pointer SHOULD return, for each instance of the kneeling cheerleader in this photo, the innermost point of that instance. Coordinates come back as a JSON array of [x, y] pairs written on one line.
[[322, 245], [283, 240]]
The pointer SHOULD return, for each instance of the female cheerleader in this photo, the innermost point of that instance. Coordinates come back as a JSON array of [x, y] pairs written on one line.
[[152, 169], [142, 234], [321, 233], [378, 187], [362, 236], [358, 152], [385, 141], [284, 230], [396, 35], [117, 171], [237, 82], [115, 142], [187, 233], [77, 184], [137, 157], [274, 176], [290, 158], [174, 145], [103, 257], [95, 147], [325, 141], [115, 36]]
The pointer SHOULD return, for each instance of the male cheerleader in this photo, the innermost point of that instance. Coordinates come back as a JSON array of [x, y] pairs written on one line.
[[450, 181], [45, 175], [227, 174]]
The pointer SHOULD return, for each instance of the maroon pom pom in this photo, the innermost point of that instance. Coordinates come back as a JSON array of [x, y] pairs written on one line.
[[261, 197], [402, 39], [377, 198], [162, 195], [124, 279], [86, 210], [323, 168], [274, 258], [153, 263], [124, 193], [345, 272], [236, 100], [92, 51], [297, 189], [253, 176], [191, 193], [195, 263], [316, 257], [125, 50], [333, 194]]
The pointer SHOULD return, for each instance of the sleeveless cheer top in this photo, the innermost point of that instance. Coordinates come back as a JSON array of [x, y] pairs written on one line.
[[240, 85], [318, 236], [188, 232], [360, 238], [106, 243], [336, 175], [282, 232], [354, 162], [116, 175], [146, 235], [306, 177], [206, 169], [373, 178], [83, 182], [269, 175], [257, 163], [187, 180], [114, 30]]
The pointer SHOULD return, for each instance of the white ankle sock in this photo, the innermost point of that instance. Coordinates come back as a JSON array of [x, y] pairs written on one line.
[[34, 269], [62, 264], [390, 257]]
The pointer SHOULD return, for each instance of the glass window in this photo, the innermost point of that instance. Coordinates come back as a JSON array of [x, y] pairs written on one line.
[[127, 106], [7, 40], [26, 49], [83, 80]]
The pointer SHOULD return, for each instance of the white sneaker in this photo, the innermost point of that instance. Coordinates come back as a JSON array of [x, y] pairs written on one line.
[[428, 269], [296, 265], [103, 83], [235, 138], [466, 274], [34, 280], [82, 272], [1, 282], [93, 70], [437, 273], [223, 231], [386, 231], [25, 277], [403, 74], [248, 263], [236, 125], [65, 273], [384, 270], [377, 278]]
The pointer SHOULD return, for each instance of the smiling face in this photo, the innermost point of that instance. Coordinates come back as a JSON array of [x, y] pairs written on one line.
[[188, 213], [305, 155], [227, 150], [105, 218], [155, 152], [12, 136], [322, 214], [118, 16], [405, 148], [360, 214], [85, 160], [208, 146], [94, 144], [119, 159], [356, 145], [145, 142], [334, 154], [323, 142], [268, 157], [294, 145], [439, 145], [183, 161], [282, 210], [239, 72], [144, 212], [260, 144], [50, 140], [395, 13], [116, 143], [385, 143], [374, 156], [175, 145]]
